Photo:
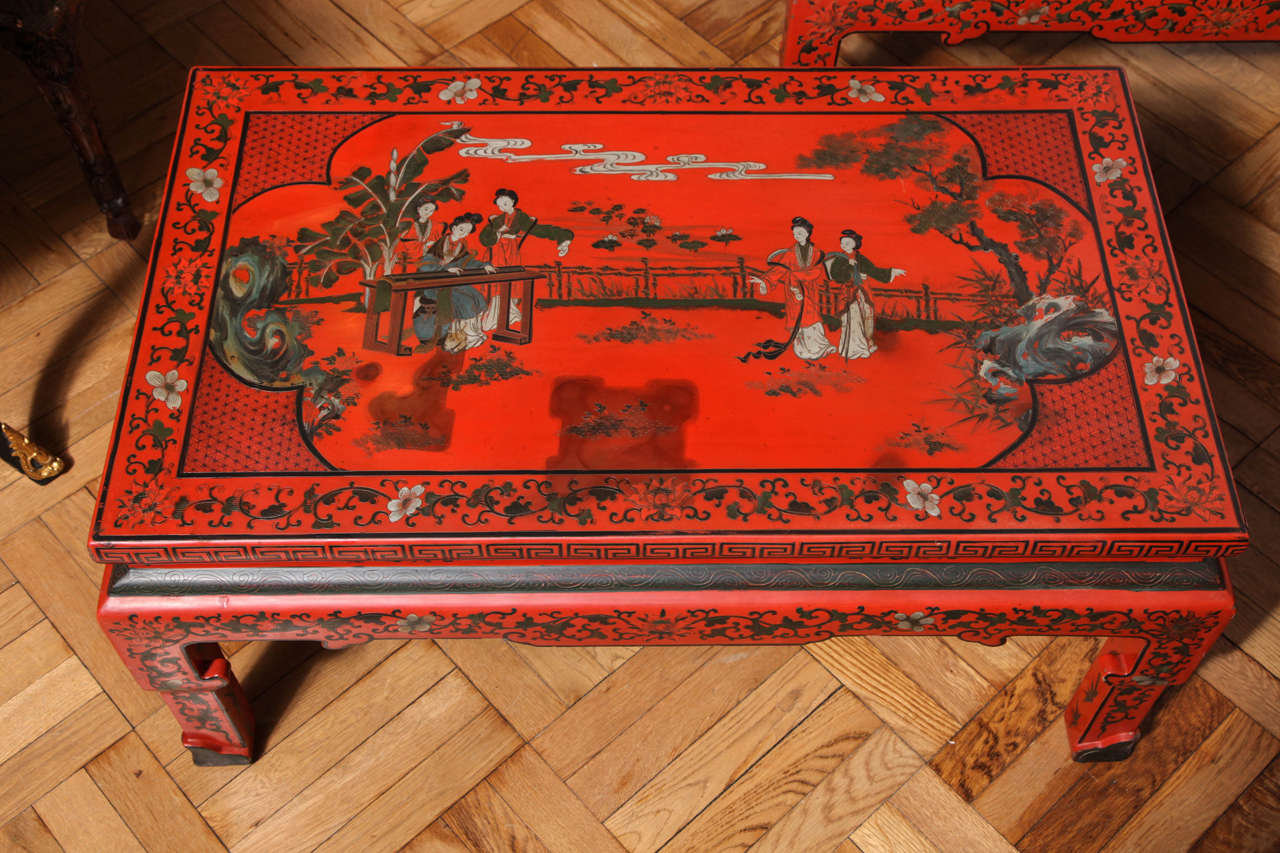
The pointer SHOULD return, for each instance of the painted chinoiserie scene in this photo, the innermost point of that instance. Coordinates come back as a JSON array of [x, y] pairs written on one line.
[[409, 303]]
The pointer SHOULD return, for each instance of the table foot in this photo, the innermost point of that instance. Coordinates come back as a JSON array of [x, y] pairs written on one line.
[[1116, 752], [202, 757], [1104, 716]]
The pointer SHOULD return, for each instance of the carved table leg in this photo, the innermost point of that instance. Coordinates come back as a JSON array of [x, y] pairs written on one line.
[[47, 45], [1128, 677], [216, 720], [195, 681]]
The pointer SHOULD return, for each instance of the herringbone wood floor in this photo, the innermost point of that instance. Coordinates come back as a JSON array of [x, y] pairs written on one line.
[[854, 744]]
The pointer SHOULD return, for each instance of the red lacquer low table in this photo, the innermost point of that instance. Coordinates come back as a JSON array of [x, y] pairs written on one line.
[[815, 28], [816, 356]]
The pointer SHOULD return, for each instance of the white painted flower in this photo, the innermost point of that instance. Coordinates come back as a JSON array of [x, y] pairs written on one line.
[[653, 219], [724, 232], [921, 496], [863, 91], [204, 182], [413, 622], [1031, 16], [1108, 170], [461, 91], [913, 621], [406, 503], [167, 387], [1161, 371]]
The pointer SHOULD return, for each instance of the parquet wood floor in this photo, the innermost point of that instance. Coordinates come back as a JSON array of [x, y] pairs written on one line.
[[879, 744]]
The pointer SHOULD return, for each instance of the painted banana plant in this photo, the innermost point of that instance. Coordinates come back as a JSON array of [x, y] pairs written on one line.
[[380, 209]]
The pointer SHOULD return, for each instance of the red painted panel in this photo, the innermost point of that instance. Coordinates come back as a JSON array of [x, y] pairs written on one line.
[[1001, 369]]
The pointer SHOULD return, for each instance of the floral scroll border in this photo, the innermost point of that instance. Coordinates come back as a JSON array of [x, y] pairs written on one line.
[[817, 26], [142, 491], [155, 646]]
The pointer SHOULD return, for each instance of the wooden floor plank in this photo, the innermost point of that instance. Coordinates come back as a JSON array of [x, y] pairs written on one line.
[[1252, 823], [615, 704], [772, 787], [845, 798], [887, 831], [1191, 714], [648, 819], [509, 683], [82, 820], [638, 754], [61, 751], [546, 805], [1031, 785], [148, 800], [370, 769], [28, 833], [430, 788], [18, 613], [1224, 765], [951, 824], [887, 691], [320, 743], [1014, 718], [1245, 682]]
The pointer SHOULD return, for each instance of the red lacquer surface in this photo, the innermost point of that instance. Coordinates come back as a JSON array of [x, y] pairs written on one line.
[[1033, 390], [815, 27]]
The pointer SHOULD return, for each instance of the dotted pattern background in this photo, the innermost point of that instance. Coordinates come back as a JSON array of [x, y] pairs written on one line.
[[1086, 423], [291, 148], [1038, 145], [236, 428]]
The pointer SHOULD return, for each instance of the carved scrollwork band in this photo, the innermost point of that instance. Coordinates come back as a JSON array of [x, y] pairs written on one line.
[[294, 580]]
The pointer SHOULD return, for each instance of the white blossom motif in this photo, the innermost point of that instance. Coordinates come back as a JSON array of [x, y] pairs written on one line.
[[405, 504], [913, 621], [204, 183], [921, 496], [1031, 16], [723, 232], [167, 387], [1161, 371], [1109, 170], [461, 91], [413, 622], [863, 91]]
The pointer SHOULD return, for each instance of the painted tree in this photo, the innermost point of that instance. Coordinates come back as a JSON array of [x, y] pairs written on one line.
[[955, 198], [381, 207]]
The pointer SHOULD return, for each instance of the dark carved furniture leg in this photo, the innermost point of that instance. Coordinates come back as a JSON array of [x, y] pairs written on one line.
[[1130, 673], [45, 41]]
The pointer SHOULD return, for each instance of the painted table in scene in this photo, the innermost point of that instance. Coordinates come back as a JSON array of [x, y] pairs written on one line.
[[401, 288], [815, 28], [817, 356]]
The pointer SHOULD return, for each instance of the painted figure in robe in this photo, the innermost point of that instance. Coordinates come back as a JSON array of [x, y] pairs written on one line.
[[455, 311], [799, 273], [848, 269], [504, 235]]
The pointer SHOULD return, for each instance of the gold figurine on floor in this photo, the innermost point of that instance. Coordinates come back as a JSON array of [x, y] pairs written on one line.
[[36, 462]]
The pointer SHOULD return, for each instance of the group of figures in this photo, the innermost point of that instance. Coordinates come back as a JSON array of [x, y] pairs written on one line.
[[463, 314], [803, 272]]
